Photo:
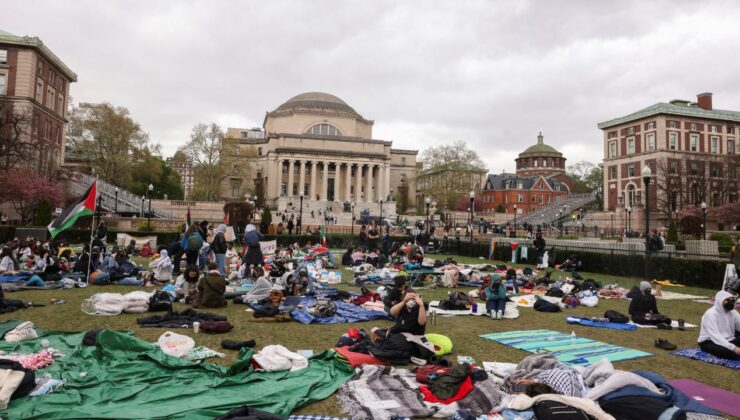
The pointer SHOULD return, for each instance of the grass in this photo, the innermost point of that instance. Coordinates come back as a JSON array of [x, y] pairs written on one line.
[[463, 331]]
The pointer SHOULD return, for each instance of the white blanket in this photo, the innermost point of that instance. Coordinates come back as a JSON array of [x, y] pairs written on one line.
[[275, 357], [674, 324]]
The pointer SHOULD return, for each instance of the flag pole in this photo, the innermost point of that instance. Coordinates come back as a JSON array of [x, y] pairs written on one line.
[[92, 234]]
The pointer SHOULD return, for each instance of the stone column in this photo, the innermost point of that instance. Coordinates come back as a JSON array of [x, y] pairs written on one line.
[[312, 188], [348, 183], [388, 179], [337, 171], [324, 180], [379, 183], [278, 179], [290, 178], [302, 178], [369, 184], [358, 183]]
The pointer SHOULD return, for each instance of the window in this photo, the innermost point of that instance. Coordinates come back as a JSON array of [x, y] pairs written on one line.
[[612, 135], [714, 129], [631, 130], [694, 142], [730, 147], [520, 186], [403, 161], [50, 98], [542, 185], [40, 92], [694, 168], [259, 151], [673, 167], [694, 127], [235, 189], [630, 145], [673, 140], [519, 198], [674, 200], [59, 135], [324, 130], [47, 133], [612, 149], [535, 163], [650, 125], [650, 142], [672, 124], [3, 56], [53, 77], [2, 84], [730, 129], [631, 196], [60, 105], [715, 170], [714, 144], [544, 163], [731, 171], [40, 69], [612, 172], [631, 169], [36, 125]]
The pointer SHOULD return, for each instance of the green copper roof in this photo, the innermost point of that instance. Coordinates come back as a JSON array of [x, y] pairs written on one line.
[[35, 42], [540, 148], [682, 109]]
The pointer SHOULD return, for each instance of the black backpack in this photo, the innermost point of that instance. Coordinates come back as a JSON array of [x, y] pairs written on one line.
[[614, 316], [160, 301], [544, 306], [553, 410], [326, 310], [28, 383], [555, 292]]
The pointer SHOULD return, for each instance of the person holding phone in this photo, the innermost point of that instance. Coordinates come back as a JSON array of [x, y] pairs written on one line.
[[410, 314]]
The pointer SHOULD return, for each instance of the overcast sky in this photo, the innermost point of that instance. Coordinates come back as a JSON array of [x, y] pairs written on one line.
[[492, 73]]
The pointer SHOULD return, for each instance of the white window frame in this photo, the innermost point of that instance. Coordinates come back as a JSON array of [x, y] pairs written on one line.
[[630, 150], [714, 144], [3, 56], [730, 146], [3, 83], [650, 142], [672, 140], [693, 142], [612, 149]]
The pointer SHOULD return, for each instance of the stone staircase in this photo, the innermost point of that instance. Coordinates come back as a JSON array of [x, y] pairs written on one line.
[[128, 202], [550, 214]]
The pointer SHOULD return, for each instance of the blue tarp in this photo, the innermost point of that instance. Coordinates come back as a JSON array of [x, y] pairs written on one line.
[[12, 278], [590, 323], [346, 312]]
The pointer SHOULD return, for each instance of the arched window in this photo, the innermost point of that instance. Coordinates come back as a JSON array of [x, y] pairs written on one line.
[[631, 195], [324, 130]]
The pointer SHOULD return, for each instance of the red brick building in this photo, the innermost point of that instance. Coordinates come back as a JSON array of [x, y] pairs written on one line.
[[35, 82]]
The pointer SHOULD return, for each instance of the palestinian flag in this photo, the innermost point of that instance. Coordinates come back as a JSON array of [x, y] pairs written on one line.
[[84, 206], [226, 219], [323, 236]]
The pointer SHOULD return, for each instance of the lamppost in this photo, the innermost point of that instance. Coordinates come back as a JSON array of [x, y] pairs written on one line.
[[515, 220], [141, 214], [352, 206], [472, 211], [381, 216], [704, 210], [646, 175], [428, 202], [300, 215], [560, 222], [149, 213], [629, 220], [116, 205]]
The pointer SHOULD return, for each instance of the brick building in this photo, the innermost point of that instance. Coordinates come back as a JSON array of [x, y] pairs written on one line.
[[691, 148], [35, 82], [184, 167]]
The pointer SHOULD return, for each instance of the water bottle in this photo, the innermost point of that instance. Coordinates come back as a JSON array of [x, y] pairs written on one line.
[[474, 308], [573, 337]]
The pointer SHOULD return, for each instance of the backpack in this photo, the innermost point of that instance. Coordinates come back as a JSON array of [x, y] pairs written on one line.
[[160, 301], [614, 316], [195, 243], [555, 292], [544, 306], [425, 373], [28, 383], [326, 310], [553, 410]]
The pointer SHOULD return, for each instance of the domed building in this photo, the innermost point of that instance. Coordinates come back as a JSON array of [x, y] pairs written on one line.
[[540, 159], [317, 146]]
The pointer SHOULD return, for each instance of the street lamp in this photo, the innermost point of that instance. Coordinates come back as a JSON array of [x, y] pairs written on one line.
[[352, 206], [629, 220], [141, 214], [560, 221], [646, 175], [704, 210], [515, 220], [300, 214], [116, 208], [428, 202], [472, 210], [149, 213], [381, 216]]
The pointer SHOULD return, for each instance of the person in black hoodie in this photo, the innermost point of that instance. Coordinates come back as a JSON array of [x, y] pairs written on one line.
[[644, 309], [218, 246]]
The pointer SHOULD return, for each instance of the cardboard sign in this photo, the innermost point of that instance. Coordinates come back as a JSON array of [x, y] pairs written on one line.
[[268, 247]]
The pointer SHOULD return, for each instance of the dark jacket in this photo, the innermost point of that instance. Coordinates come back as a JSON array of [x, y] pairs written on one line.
[[642, 304], [211, 288], [219, 244]]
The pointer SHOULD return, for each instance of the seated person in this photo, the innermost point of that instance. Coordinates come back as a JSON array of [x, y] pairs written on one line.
[[410, 314], [7, 265], [211, 289], [186, 285], [347, 257], [302, 284], [496, 298], [395, 294], [511, 275], [161, 268], [562, 380], [644, 309], [571, 264], [358, 257], [146, 251], [720, 328], [64, 261], [373, 258], [131, 248], [261, 288]]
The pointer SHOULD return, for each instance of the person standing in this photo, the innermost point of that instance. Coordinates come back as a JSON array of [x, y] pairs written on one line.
[[362, 237], [372, 237], [192, 242], [219, 248], [290, 226], [253, 255], [539, 247]]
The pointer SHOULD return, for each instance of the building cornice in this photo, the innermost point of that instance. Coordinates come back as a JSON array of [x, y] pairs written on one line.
[[404, 152], [323, 153], [287, 113], [37, 44], [330, 138], [38, 106]]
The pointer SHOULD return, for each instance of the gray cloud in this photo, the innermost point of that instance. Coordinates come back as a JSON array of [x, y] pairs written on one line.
[[491, 73]]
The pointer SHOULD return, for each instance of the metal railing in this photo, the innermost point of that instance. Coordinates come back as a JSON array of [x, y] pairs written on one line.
[[125, 201]]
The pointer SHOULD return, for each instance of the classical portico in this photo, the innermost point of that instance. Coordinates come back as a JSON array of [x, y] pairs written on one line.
[[317, 146]]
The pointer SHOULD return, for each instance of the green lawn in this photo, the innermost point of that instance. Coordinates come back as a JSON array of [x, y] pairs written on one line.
[[463, 331]]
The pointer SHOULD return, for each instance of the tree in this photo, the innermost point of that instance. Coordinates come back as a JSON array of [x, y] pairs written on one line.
[[445, 172], [240, 212], [691, 219], [42, 214], [463, 204], [152, 169], [500, 208], [215, 158], [109, 138], [26, 190], [15, 145], [581, 170], [585, 176], [266, 217], [672, 233]]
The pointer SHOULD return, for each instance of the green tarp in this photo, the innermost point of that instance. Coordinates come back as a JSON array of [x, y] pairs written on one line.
[[125, 377]]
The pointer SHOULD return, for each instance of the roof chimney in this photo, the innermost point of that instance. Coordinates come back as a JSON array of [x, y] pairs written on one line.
[[540, 139], [704, 100]]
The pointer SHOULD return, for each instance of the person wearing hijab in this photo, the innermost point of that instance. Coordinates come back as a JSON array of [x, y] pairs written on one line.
[[211, 289], [219, 248], [644, 309], [261, 289], [162, 267], [720, 328], [253, 256], [496, 298]]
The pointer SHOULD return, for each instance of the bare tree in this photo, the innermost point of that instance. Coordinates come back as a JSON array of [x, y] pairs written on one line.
[[16, 146], [446, 168]]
